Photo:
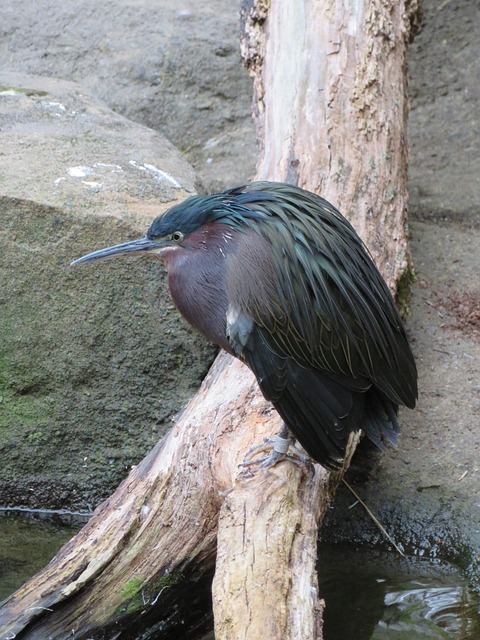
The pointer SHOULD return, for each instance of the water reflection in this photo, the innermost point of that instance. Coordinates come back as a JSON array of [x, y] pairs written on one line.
[[27, 544], [374, 595]]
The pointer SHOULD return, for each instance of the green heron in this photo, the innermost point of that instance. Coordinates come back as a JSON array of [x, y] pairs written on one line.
[[276, 276]]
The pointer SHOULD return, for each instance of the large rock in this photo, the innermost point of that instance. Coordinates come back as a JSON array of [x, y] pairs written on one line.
[[94, 361], [173, 66]]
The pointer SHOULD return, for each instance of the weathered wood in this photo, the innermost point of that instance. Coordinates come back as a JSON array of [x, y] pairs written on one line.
[[140, 560], [137, 560], [265, 581], [330, 107]]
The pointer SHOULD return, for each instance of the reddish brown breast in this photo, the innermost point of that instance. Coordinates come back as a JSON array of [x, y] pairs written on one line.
[[197, 279]]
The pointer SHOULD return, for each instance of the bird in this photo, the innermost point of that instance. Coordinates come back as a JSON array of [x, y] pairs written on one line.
[[278, 277]]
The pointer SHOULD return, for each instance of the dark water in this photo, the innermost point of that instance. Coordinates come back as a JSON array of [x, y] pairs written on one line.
[[378, 595], [28, 543], [369, 594]]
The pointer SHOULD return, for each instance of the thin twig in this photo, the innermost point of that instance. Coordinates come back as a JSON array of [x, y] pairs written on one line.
[[374, 518], [448, 353]]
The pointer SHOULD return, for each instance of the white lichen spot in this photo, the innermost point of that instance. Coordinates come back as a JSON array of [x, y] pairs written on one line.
[[79, 172], [58, 106], [212, 142], [92, 184], [144, 511], [115, 168], [160, 175]]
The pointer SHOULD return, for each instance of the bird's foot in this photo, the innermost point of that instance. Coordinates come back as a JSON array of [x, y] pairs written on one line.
[[278, 449]]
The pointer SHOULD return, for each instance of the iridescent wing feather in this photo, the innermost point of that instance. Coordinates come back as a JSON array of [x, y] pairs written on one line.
[[326, 343]]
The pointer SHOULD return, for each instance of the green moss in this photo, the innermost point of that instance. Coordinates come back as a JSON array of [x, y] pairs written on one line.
[[138, 596], [132, 588], [133, 597], [20, 406], [404, 290], [17, 411], [36, 437], [168, 580]]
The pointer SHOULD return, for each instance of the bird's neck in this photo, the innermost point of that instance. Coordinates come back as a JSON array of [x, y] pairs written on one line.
[[197, 280]]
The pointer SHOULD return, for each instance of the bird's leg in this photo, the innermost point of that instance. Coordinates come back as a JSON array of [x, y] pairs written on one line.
[[280, 444], [278, 449]]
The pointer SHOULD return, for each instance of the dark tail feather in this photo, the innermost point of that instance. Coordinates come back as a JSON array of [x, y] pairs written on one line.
[[319, 412], [380, 421]]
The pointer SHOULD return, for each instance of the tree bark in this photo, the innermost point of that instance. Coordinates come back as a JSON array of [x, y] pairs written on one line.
[[331, 112], [330, 107]]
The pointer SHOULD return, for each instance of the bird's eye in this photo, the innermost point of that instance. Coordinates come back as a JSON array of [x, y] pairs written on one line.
[[177, 236]]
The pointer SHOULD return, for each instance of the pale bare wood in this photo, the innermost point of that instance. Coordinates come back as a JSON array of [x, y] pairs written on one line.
[[330, 107], [263, 581]]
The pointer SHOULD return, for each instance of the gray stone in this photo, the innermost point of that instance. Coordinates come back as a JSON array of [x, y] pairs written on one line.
[[94, 360], [172, 66], [445, 120]]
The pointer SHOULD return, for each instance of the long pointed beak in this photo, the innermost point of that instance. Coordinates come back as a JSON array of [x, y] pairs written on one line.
[[142, 244]]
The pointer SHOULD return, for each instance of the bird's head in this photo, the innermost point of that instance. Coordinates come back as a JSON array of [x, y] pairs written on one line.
[[172, 230]]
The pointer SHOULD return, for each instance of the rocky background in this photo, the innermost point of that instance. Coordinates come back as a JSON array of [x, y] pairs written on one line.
[[94, 361]]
